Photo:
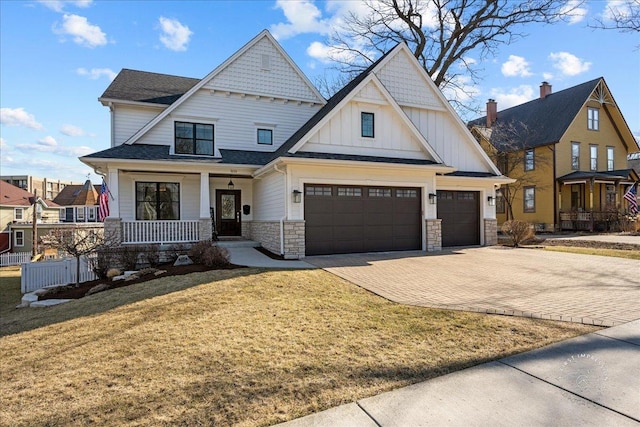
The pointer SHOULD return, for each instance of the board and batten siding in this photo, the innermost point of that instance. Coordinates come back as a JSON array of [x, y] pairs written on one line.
[[236, 119], [189, 193], [130, 119], [268, 197]]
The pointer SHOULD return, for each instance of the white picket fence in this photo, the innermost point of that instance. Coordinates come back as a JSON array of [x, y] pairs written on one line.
[[36, 275], [15, 258]]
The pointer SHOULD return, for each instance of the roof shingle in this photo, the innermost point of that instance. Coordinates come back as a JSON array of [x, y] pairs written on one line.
[[142, 86]]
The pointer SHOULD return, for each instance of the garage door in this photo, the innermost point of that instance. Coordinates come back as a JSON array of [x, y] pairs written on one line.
[[460, 215], [349, 219]]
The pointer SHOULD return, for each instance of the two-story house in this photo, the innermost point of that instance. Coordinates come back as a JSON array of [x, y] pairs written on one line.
[[253, 150], [568, 151]]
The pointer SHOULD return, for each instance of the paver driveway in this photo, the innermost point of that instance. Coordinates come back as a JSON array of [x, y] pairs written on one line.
[[523, 282]]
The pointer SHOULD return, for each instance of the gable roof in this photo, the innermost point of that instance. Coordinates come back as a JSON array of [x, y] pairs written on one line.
[[546, 119], [216, 71], [78, 195], [10, 195], [142, 86]]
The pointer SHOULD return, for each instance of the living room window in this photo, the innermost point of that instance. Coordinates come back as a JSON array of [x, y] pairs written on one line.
[[593, 118], [157, 201], [367, 125], [575, 156], [593, 157], [194, 138], [265, 136], [529, 160], [610, 163], [529, 199]]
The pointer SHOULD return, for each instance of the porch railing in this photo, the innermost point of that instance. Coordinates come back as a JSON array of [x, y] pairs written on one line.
[[160, 231], [589, 221]]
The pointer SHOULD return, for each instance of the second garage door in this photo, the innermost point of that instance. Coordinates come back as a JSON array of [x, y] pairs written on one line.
[[460, 215], [349, 219]]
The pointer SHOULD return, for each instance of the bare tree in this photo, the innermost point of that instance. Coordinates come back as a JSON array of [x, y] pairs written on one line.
[[450, 38], [512, 148], [623, 16]]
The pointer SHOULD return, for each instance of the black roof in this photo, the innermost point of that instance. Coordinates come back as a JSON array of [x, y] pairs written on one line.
[[604, 175], [142, 86], [546, 119]]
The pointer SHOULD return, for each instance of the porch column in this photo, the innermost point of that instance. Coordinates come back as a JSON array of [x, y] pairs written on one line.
[[204, 226], [591, 205], [114, 200]]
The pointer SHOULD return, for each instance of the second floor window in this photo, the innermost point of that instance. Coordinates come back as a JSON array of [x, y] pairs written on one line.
[[265, 136], [529, 160], [194, 138], [593, 118], [367, 125], [575, 156], [610, 163], [593, 162], [18, 214]]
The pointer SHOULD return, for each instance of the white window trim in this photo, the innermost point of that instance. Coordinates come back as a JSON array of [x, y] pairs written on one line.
[[611, 159], [592, 158], [266, 126], [15, 214], [593, 120], [91, 213], [15, 238]]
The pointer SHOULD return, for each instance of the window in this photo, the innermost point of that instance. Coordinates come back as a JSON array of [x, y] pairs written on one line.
[[576, 199], [593, 118], [18, 214], [529, 199], [593, 157], [318, 191], [610, 163], [265, 136], [194, 138], [79, 214], [367, 125], [350, 191], [61, 215], [529, 160], [157, 200], [575, 156], [407, 193], [91, 214], [379, 192], [18, 238], [500, 202]]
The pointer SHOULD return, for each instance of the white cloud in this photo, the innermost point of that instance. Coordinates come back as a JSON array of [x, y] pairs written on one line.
[[303, 17], [547, 76], [3, 143], [83, 32], [175, 36], [516, 66], [618, 8], [71, 130], [18, 117], [58, 5], [513, 96], [96, 73], [569, 64], [48, 142], [574, 12]]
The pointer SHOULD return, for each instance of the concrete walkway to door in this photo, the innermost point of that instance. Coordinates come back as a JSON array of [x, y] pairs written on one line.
[[525, 282]]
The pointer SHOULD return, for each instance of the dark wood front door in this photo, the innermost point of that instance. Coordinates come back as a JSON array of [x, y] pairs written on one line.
[[228, 215]]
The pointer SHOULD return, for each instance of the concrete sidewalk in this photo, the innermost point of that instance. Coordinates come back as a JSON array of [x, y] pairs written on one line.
[[592, 380], [251, 257]]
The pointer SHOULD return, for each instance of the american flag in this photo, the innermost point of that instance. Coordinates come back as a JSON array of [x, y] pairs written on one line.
[[103, 208], [631, 197]]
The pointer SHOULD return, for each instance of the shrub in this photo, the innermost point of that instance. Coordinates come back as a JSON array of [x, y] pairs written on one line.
[[128, 257], [151, 254], [106, 259], [206, 253], [518, 231], [175, 251]]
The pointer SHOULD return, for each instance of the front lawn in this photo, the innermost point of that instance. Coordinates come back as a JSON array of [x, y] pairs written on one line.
[[245, 347]]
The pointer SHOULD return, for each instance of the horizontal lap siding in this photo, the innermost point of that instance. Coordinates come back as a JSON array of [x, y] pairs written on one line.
[[268, 197], [128, 120]]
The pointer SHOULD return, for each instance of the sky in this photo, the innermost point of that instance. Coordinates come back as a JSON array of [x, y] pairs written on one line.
[[58, 57]]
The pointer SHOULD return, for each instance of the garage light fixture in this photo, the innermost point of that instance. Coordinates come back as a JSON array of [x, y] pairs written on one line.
[[297, 196], [432, 198], [491, 200]]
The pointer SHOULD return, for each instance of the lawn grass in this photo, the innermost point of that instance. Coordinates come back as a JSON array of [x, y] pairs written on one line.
[[242, 347], [619, 253]]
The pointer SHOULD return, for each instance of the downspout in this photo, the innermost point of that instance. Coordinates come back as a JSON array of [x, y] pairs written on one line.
[[275, 167]]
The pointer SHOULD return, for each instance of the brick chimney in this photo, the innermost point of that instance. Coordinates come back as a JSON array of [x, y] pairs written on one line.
[[492, 112], [545, 89]]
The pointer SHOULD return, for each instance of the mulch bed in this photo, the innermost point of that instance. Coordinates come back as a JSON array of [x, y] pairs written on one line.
[[71, 292]]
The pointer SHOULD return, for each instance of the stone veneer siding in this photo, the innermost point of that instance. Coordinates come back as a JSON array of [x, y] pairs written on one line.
[[267, 233], [490, 232], [434, 235], [204, 229], [113, 230], [294, 240]]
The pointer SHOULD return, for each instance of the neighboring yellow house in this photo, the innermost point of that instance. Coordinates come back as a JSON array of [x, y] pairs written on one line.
[[568, 150]]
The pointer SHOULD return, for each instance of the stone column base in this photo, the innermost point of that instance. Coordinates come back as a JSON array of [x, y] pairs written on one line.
[[434, 234], [294, 243], [113, 231], [204, 229], [490, 232]]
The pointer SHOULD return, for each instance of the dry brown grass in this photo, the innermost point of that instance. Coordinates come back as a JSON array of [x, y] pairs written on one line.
[[619, 253], [244, 347]]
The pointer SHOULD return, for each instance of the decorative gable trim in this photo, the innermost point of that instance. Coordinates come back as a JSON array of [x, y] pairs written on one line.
[[264, 34]]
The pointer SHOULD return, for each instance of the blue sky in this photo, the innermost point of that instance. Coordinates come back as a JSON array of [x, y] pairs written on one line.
[[58, 57]]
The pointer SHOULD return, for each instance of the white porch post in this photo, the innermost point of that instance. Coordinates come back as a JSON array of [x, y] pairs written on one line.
[[114, 200], [204, 229]]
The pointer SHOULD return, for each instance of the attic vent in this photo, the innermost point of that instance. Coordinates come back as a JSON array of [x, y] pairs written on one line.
[[266, 62]]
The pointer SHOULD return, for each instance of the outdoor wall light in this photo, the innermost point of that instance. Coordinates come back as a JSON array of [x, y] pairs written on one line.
[[230, 185], [297, 196], [491, 200], [432, 198]]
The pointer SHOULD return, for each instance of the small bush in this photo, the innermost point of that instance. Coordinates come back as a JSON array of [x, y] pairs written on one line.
[[518, 231], [151, 254], [128, 257], [206, 253], [107, 258]]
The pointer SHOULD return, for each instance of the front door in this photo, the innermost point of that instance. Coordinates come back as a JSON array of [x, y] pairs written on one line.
[[228, 213]]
